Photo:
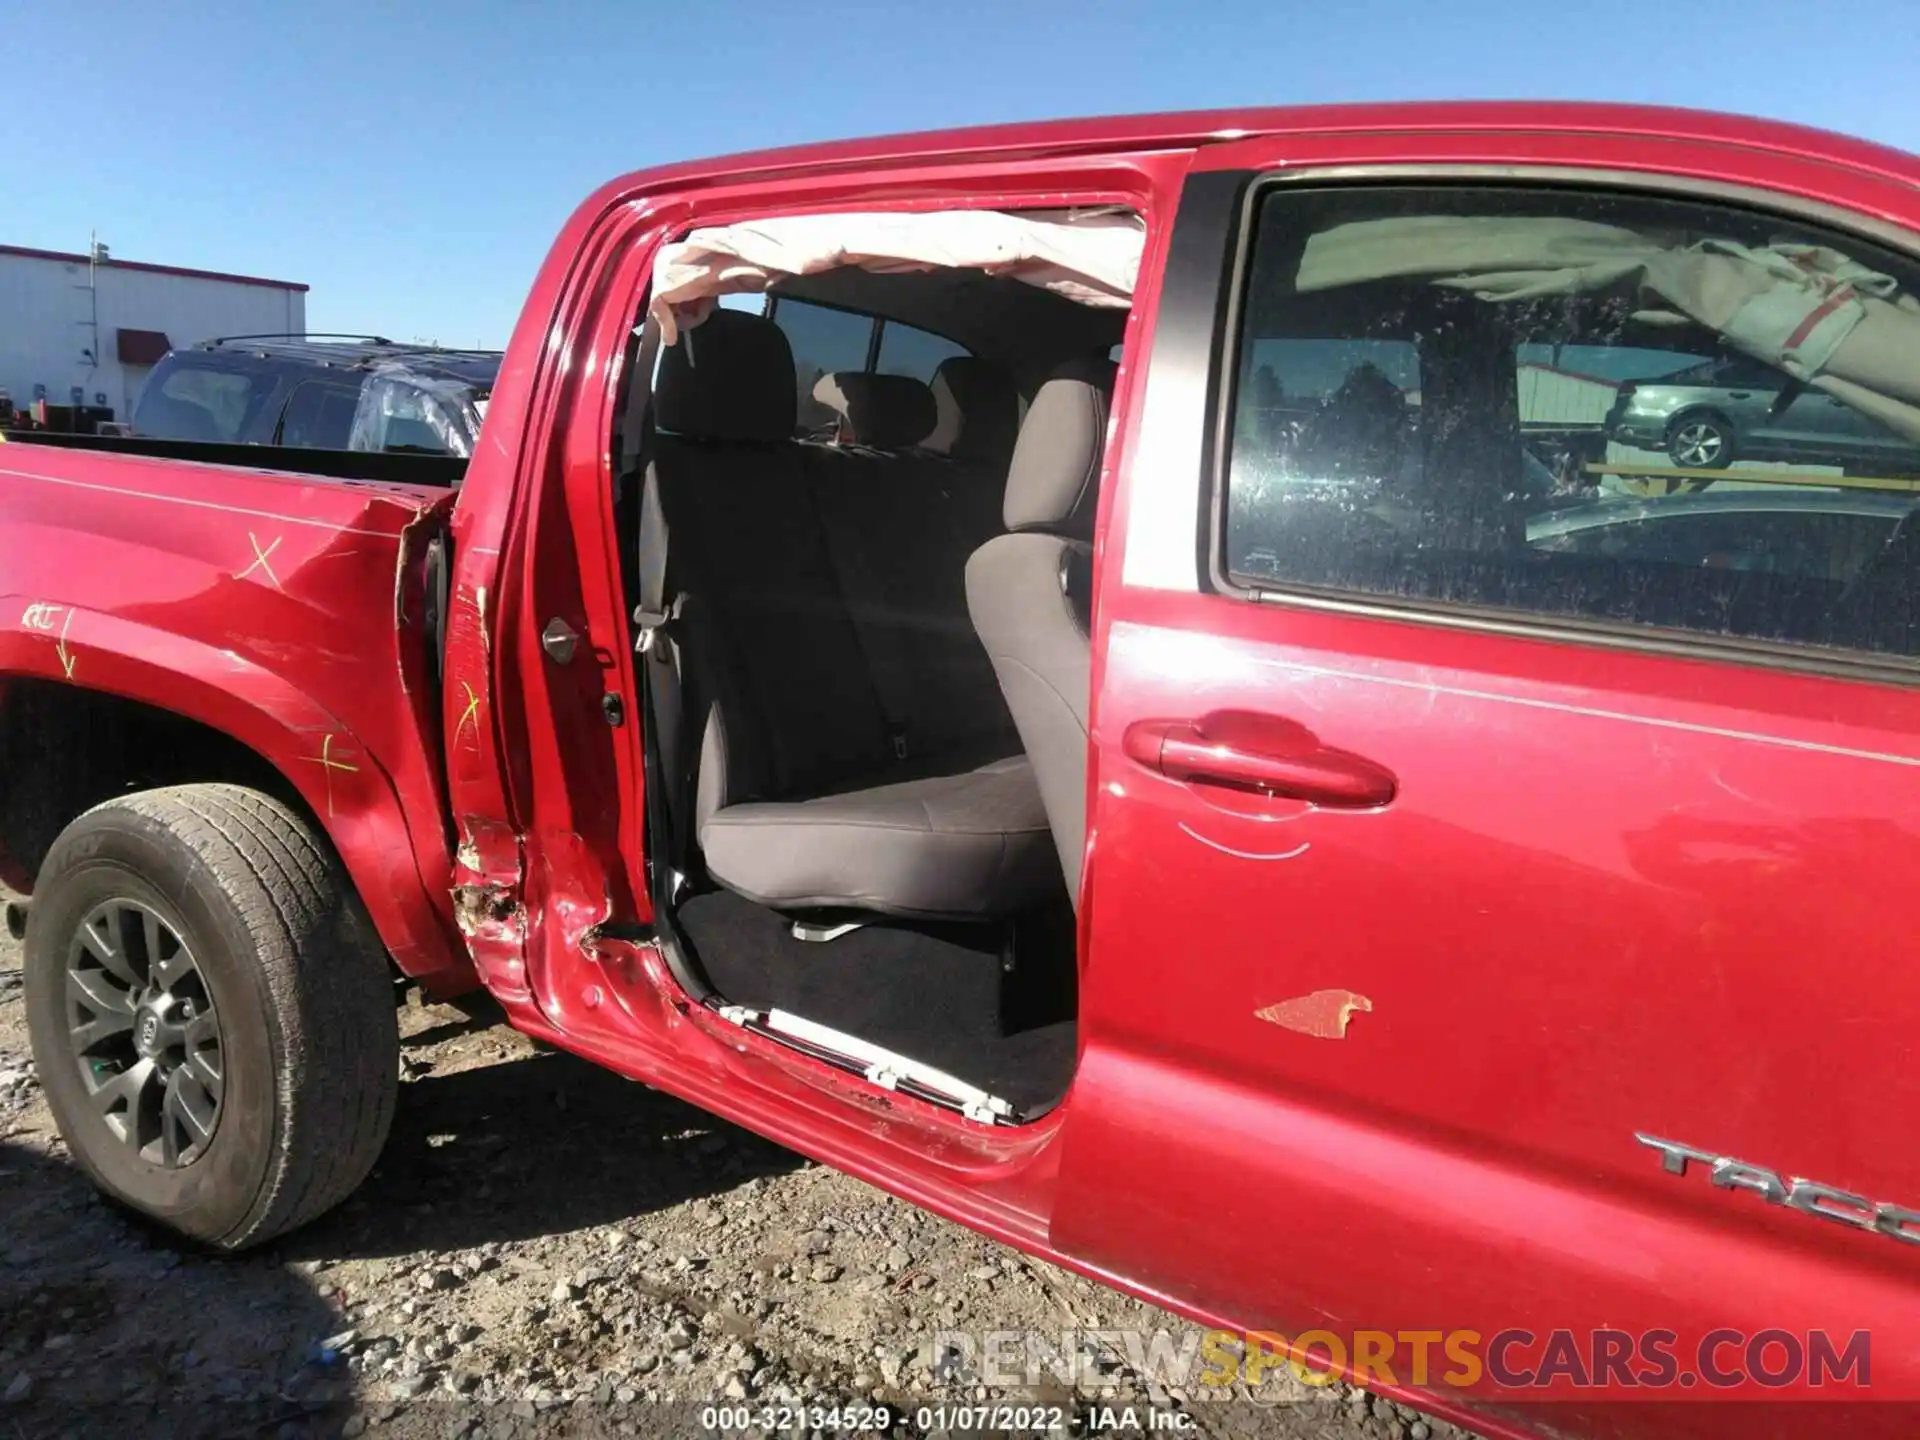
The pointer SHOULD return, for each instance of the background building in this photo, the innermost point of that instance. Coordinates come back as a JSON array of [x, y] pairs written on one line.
[[1555, 399], [81, 330]]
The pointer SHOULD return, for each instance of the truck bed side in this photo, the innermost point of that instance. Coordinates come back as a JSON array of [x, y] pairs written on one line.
[[282, 611]]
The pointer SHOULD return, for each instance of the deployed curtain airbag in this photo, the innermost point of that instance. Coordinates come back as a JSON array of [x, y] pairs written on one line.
[[1090, 257]]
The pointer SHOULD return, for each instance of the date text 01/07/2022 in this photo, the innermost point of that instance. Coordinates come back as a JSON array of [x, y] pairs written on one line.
[[985, 1419]]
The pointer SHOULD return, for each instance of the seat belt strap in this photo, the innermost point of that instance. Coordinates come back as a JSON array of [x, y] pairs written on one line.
[[661, 679]]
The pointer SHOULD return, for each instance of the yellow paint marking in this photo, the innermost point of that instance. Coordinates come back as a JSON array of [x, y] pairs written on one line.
[[260, 560], [470, 715], [39, 616], [480, 613], [328, 765]]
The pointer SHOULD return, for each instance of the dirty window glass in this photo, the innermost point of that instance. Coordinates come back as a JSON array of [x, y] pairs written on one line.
[[1583, 405], [396, 415], [195, 403], [319, 417]]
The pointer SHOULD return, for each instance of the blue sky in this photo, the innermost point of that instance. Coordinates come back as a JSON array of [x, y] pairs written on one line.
[[411, 161]]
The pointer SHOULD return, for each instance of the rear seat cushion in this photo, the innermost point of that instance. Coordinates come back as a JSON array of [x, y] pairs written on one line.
[[888, 412], [974, 844]]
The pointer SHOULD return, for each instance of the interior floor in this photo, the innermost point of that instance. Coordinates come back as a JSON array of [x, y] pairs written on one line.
[[989, 1004]]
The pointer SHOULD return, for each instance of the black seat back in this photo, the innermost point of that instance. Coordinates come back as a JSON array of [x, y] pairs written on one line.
[[778, 694]]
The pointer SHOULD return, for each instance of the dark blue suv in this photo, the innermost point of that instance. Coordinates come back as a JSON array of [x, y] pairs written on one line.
[[320, 392]]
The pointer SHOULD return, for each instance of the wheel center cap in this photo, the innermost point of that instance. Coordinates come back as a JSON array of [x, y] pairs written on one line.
[[146, 1034]]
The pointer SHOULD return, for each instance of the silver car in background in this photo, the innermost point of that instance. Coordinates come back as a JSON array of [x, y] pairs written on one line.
[[1734, 408]]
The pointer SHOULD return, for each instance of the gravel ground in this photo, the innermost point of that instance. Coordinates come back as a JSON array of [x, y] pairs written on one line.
[[544, 1249]]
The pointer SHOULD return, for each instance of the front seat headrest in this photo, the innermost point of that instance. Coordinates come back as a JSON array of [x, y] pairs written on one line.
[[1055, 471], [730, 378], [888, 412], [979, 409]]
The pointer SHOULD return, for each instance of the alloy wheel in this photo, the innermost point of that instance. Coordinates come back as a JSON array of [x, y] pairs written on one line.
[[144, 1033], [1698, 444]]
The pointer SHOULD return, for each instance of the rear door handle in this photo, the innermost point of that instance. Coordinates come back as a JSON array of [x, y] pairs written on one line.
[[1258, 753]]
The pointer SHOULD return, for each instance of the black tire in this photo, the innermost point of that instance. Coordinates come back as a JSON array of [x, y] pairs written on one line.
[[307, 1034], [1706, 436]]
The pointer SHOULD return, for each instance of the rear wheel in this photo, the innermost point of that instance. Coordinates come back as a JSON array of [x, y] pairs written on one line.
[[1700, 440], [211, 1012]]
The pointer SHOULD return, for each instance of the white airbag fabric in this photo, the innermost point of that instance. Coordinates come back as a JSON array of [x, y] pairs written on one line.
[[1092, 258]]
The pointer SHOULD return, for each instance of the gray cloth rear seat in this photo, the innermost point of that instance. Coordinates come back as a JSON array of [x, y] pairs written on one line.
[[972, 845], [900, 524], [802, 796]]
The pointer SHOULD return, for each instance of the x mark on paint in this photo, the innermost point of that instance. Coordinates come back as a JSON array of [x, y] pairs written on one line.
[[260, 561], [469, 716], [328, 765]]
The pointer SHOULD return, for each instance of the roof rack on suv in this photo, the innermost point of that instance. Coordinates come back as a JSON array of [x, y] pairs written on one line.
[[301, 335], [342, 349]]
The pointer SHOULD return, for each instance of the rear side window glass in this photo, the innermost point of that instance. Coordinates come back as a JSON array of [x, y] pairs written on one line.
[[1579, 405], [319, 417], [192, 402], [915, 353], [824, 341]]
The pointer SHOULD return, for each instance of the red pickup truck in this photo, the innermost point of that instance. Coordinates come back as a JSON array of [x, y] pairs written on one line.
[[1111, 679]]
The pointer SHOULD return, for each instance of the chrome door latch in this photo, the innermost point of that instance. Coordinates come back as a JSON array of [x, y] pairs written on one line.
[[560, 640]]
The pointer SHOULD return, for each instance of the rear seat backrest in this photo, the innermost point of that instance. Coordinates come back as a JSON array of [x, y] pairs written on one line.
[[803, 802], [887, 412], [895, 525], [977, 413], [780, 693], [978, 405], [1031, 591]]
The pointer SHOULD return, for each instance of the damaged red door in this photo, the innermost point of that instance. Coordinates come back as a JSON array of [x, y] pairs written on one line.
[[542, 754], [1407, 933]]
